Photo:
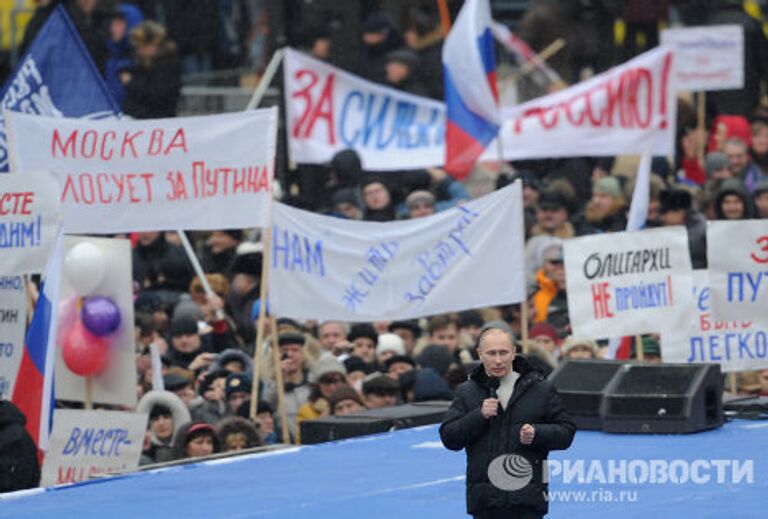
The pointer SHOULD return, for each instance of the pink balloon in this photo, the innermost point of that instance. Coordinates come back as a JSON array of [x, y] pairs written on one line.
[[84, 353], [67, 317]]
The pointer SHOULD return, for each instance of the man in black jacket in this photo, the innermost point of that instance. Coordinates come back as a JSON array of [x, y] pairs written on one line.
[[508, 418]]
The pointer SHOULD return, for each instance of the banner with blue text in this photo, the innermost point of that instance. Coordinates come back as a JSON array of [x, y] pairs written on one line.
[[329, 110], [737, 345], [465, 257], [738, 274]]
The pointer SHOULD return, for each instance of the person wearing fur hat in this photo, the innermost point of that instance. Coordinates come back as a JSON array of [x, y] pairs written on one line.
[[345, 400], [236, 433], [605, 211], [234, 361], [167, 413], [195, 440], [575, 348], [325, 377], [675, 208]]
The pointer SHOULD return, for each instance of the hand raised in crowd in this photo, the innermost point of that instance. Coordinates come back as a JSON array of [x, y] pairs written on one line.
[[202, 361], [490, 407], [214, 307], [526, 434]]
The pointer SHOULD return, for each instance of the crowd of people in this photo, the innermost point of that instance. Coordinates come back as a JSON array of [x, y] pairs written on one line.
[[207, 341]]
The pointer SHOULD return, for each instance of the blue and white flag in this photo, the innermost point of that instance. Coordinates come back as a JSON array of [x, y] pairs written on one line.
[[56, 77]]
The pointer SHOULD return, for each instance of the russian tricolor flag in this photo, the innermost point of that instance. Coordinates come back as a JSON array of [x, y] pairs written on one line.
[[471, 96], [33, 391]]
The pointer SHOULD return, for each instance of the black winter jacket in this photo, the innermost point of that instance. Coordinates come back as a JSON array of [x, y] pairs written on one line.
[[534, 401], [19, 468]]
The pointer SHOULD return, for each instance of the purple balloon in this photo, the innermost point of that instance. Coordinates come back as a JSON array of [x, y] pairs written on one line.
[[100, 315]]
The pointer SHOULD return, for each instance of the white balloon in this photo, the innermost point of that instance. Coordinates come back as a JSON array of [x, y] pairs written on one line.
[[84, 267]]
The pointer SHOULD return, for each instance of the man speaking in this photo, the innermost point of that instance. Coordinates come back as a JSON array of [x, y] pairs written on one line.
[[508, 417]]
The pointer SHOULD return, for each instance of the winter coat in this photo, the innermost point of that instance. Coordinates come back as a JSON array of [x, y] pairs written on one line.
[[19, 468], [534, 401], [154, 89], [161, 266], [296, 395]]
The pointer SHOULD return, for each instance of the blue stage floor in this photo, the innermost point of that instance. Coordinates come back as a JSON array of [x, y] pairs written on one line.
[[408, 474]]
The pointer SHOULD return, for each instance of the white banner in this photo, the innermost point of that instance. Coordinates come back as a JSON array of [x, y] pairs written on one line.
[[631, 108], [738, 345], [707, 58], [208, 172], [30, 216], [329, 110], [627, 283], [85, 444], [13, 322], [737, 253], [465, 257]]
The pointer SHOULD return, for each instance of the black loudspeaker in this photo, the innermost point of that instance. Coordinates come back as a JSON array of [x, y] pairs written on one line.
[[663, 398], [581, 384], [372, 421]]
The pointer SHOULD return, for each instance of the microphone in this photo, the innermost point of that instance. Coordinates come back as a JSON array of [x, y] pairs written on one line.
[[493, 385]]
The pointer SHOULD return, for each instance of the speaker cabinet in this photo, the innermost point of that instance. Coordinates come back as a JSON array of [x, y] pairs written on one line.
[[372, 421], [663, 398], [581, 384]]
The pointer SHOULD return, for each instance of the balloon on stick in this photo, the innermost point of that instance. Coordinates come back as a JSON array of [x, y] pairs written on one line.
[[84, 267], [100, 315], [84, 353]]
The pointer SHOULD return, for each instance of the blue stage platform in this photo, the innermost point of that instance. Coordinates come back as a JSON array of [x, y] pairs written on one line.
[[408, 474]]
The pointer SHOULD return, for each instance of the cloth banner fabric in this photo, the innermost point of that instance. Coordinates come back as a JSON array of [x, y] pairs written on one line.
[[30, 215], [198, 173], [328, 268], [627, 283], [629, 109], [737, 345], [13, 323], [737, 253], [707, 58], [329, 110]]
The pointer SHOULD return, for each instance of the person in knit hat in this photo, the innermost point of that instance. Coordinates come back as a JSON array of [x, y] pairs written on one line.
[[546, 336], [325, 377], [716, 166], [605, 210], [389, 345], [344, 401]]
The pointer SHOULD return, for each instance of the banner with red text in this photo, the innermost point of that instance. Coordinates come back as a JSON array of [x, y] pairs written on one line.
[[199, 173], [627, 283], [737, 345], [30, 216], [737, 253], [631, 108], [329, 110]]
